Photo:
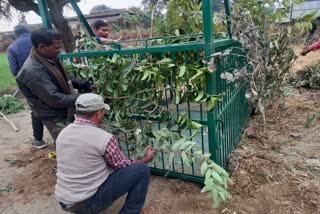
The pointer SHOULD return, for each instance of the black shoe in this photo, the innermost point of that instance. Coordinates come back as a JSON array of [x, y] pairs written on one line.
[[39, 144]]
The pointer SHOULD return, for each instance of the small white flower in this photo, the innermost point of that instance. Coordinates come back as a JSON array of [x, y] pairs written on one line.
[[227, 76], [254, 92], [248, 95], [138, 131]]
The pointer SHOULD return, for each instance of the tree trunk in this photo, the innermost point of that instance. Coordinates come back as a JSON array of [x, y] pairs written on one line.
[[56, 15], [61, 24]]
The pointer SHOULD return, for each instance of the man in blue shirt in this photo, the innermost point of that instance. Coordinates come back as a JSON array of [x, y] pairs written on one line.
[[18, 52]]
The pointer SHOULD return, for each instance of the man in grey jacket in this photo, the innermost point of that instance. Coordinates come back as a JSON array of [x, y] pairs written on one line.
[[18, 52], [46, 84]]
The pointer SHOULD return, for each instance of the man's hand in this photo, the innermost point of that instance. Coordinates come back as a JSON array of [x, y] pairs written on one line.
[[148, 154], [305, 52]]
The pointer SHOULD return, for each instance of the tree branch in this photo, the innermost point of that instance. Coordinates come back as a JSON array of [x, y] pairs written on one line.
[[25, 6]]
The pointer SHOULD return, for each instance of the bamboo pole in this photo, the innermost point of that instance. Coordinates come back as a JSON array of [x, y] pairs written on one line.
[[9, 121]]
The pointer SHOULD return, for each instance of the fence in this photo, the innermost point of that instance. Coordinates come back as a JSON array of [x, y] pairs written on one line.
[[223, 125]]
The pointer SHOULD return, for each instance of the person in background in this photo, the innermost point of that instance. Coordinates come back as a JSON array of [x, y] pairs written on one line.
[[18, 52], [92, 171], [46, 84], [101, 30], [314, 46]]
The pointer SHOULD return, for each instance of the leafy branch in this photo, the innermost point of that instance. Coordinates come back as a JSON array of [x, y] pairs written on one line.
[[10, 105], [265, 48], [151, 90]]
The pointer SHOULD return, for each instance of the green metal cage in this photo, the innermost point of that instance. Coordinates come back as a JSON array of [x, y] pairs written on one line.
[[223, 125]]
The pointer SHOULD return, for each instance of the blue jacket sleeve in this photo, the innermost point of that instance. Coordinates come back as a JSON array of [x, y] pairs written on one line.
[[13, 62], [98, 39]]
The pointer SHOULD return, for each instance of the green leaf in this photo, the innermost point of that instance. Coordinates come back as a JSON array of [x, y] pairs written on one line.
[[185, 159], [124, 86], [182, 71], [310, 16], [177, 98], [145, 75], [195, 125], [217, 177], [222, 196], [187, 144], [8, 188], [286, 3], [199, 96], [12, 161], [115, 58], [207, 187], [144, 61], [83, 74], [297, 25], [197, 75], [206, 155], [204, 167], [94, 66], [224, 191], [210, 180], [193, 134], [177, 144], [115, 93], [208, 174], [212, 103], [165, 60], [215, 198], [128, 69]]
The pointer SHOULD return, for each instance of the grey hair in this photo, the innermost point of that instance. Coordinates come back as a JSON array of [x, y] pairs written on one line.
[[86, 113], [20, 29]]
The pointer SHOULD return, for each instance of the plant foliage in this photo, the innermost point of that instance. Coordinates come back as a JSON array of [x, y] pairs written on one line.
[[10, 105], [256, 25], [144, 94], [308, 77]]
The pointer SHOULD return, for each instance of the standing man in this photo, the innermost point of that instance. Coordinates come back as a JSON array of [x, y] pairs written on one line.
[[92, 172], [18, 52], [47, 85]]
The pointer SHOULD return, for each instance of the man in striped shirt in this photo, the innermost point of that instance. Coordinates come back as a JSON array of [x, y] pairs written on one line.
[[92, 171]]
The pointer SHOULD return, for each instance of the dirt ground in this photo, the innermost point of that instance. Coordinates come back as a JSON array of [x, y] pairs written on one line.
[[279, 170]]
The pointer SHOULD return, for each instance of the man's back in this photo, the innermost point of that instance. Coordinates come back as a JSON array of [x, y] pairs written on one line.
[[81, 164], [19, 51]]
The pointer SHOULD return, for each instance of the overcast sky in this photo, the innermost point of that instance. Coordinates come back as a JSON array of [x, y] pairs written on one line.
[[85, 6]]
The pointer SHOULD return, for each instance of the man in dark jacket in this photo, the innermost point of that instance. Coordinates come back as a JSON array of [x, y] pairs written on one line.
[[46, 84], [18, 52]]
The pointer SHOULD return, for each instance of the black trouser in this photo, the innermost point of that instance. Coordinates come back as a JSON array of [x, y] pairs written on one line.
[[37, 127]]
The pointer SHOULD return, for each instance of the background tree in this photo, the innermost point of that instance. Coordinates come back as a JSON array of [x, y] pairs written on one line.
[[55, 11], [157, 5], [22, 19], [185, 15], [4, 10], [99, 8]]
